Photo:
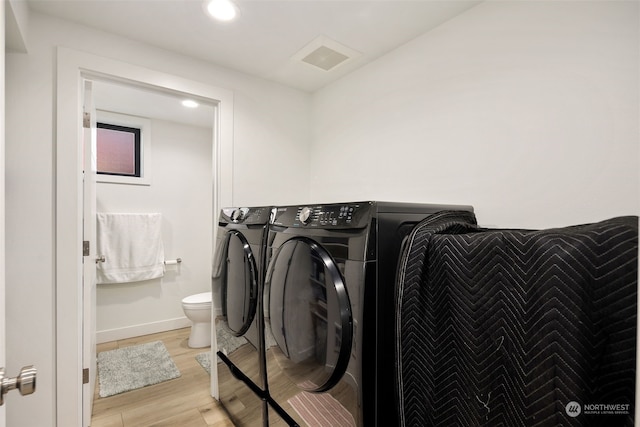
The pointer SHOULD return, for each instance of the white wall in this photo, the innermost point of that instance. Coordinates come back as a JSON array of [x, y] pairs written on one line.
[[265, 115], [182, 191], [526, 110]]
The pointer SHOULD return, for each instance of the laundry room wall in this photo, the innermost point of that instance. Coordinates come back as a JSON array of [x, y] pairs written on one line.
[[271, 127], [181, 189], [527, 110]]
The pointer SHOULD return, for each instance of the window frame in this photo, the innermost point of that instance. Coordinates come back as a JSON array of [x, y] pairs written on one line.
[[142, 123], [136, 132]]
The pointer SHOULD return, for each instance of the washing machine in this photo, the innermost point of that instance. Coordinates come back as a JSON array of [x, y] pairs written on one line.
[[328, 310], [238, 275]]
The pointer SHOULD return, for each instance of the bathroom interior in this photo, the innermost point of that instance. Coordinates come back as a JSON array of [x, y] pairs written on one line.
[[178, 185], [533, 105]]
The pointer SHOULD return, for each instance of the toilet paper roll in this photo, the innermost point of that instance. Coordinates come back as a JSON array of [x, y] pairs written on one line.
[[171, 262]]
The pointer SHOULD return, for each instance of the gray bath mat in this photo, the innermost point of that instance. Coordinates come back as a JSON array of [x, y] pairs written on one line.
[[129, 368], [227, 343], [204, 359]]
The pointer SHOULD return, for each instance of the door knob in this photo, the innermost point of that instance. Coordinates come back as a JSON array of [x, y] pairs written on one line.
[[101, 258], [25, 382]]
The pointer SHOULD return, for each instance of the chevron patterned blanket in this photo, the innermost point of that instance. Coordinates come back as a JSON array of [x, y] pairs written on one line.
[[517, 327]]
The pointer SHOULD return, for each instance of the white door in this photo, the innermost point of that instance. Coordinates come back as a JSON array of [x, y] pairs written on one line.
[[89, 254], [25, 380], [2, 269]]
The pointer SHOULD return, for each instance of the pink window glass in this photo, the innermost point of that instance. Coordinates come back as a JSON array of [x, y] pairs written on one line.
[[116, 151]]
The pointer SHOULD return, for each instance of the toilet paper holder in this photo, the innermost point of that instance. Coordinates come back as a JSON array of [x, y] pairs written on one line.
[[172, 261]]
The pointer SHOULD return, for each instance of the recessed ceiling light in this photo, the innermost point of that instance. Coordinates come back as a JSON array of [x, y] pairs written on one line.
[[189, 103], [222, 10]]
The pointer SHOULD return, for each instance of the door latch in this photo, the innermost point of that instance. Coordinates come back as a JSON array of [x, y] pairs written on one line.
[[25, 382]]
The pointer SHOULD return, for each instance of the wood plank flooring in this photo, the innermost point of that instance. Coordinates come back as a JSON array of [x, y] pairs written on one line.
[[185, 401]]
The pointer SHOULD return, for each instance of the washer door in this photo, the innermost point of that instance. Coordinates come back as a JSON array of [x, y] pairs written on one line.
[[239, 284], [310, 315]]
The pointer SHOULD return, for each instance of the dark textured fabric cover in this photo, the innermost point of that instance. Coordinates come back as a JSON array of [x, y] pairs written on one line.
[[507, 327]]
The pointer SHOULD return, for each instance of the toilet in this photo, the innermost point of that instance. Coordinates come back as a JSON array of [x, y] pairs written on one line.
[[197, 308]]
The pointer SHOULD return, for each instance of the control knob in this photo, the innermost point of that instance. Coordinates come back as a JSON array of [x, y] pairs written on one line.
[[305, 215], [237, 215]]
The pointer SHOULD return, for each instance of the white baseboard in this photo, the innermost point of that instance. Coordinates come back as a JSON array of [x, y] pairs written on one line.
[[139, 330]]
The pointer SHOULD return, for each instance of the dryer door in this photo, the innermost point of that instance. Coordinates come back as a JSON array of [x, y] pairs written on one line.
[[310, 315], [239, 284]]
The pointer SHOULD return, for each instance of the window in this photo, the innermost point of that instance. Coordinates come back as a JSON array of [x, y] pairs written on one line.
[[118, 150], [123, 148]]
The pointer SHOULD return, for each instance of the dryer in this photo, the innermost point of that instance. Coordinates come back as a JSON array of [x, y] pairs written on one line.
[[237, 286], [328, 309]]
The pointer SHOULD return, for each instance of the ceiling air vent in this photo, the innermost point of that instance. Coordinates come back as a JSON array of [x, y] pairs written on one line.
[[325, 58], [325, 54]]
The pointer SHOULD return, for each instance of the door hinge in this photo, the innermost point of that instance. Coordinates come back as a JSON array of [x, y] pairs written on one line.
[[86, 120], [86, 248], [85, 376]]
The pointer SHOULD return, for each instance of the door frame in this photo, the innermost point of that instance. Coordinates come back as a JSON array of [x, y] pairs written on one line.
[[72, 67]]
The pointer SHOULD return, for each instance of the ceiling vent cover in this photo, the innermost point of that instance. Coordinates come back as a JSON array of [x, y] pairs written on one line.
[[325, 54], [326, 58]]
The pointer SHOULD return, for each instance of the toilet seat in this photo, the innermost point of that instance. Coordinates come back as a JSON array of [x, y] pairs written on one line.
[[197, 300]]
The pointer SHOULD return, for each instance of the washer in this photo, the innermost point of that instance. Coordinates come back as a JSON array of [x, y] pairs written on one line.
[[328, 307], [237, 288]]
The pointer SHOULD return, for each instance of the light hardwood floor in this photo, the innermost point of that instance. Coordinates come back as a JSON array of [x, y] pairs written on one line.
[[182, 402]]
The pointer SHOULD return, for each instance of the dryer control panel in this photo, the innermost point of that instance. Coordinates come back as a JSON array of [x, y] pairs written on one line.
[[339, 215]]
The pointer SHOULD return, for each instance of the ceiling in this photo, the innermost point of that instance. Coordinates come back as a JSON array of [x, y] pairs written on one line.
[[269, 37], [138, 101]]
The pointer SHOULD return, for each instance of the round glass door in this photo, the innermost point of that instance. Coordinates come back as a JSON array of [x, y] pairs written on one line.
[[310, 315], [240, 286]]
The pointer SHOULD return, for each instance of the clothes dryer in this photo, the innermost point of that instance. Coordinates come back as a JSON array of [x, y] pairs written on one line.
[[328, 307], [237, 286]]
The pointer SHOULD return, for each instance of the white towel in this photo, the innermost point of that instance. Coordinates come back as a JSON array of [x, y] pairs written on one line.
[[132, 247]]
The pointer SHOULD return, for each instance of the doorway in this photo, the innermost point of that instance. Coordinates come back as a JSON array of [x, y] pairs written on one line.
[[73, 66], [176, 183]]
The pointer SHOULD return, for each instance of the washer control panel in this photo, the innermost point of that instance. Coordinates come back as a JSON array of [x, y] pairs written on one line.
[[247, 216], [344, 215]]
